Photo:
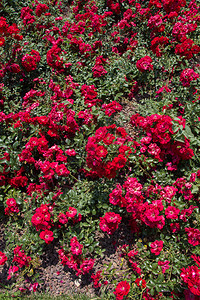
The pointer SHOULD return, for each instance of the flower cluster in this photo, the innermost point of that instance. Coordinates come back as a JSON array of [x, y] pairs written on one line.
[[132, 196], [157, 45], [12, 207], [54, 60], [159, 141], [193, 236], [6, 30], [99, 149], [71, 214], [187, 76], [187, 48], [30, 61], [20, 258], [110, 222], [98, 69], [111, 108], [74, 258], [42, 218], [191, 276]]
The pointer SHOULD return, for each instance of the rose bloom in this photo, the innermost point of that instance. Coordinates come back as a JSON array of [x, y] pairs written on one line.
[[191, 277], [121, 290], [3, 258], [76, 247], [187, 76], [47, 236], [71, 212], [98, 71], [11, 202], [156, 247], [193, 236], [11, 271], [144, 64], [62, 218], [70, 152], [172, 212]]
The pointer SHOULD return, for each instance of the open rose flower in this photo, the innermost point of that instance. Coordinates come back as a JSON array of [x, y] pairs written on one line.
[[122, 289], [47, 236], [110, 222], [144, 64], [156, 247], [172, 212]]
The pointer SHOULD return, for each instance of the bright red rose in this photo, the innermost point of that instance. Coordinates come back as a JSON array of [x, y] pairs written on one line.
[[76, 247], [72, 212], [110, 222], [3, 258], [47, 236], [193, 236], [98, 71], [172, 212], [156, 247], [122, 289], [144, 64], [11, 202], [187, 76], [40, 9]]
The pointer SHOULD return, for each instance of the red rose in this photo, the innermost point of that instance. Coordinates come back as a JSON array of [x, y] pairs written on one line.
[[47, 236], [156, 247], [3, 258], [172, 212], [144, 64], [193, 236], [121, 290]]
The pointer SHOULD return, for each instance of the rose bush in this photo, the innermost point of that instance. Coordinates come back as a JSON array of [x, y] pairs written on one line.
[[73, 164]]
